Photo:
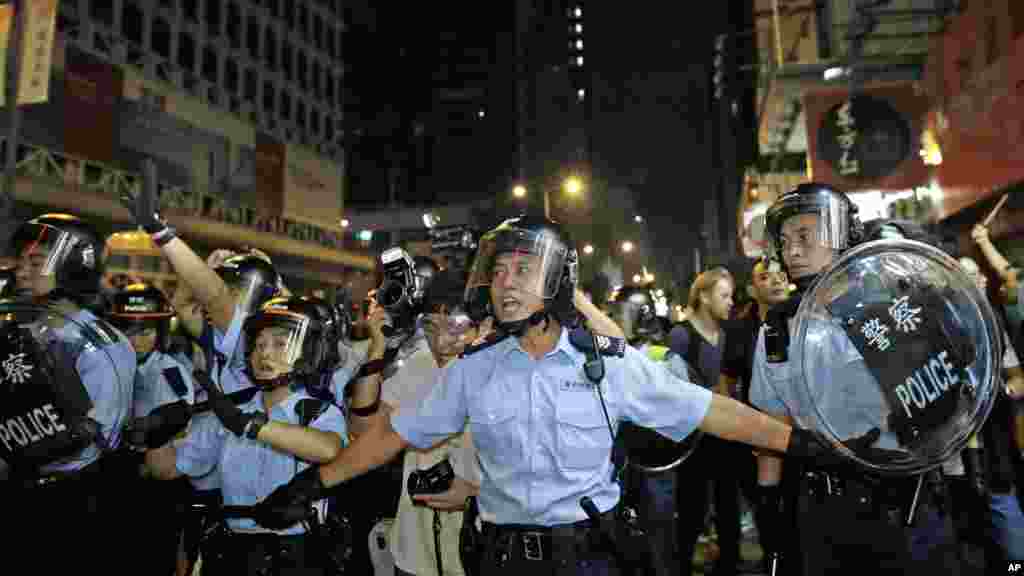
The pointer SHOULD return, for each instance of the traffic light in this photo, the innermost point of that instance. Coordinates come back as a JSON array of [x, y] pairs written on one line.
[[719, 66]]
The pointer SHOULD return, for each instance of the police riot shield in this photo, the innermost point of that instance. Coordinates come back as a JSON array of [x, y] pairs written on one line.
[[45, 407], [894, 336]]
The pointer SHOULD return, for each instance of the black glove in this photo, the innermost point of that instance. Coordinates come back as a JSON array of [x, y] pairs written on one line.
[[144, 209], [159, 427], [239, 423], [811, 445], [290, 503]]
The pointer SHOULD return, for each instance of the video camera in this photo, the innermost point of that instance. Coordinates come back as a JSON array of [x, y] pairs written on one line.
[[433, 480], [456, 243], [403, 288]]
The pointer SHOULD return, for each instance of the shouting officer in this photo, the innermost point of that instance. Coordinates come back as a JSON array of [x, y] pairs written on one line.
[[542, 427], [831, 368], [81, 372]]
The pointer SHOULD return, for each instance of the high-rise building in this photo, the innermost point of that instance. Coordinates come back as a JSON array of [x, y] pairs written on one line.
[[238, 103]]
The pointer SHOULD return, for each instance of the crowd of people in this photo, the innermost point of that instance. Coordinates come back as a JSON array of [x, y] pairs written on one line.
[[487, 420]]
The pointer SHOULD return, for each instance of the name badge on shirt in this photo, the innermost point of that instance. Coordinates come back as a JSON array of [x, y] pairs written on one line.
[[576, 385]]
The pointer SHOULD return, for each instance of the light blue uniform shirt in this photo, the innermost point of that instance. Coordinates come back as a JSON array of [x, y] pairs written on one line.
[[152, 389], [842, 388], [539, 430], [250, 470], [211, 480], [108, 375], [231, 344]]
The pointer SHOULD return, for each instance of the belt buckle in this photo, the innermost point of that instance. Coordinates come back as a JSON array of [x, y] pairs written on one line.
[[532, 549]]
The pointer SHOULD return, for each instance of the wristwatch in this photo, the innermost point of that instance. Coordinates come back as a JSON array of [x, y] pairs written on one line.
[[256, 422]]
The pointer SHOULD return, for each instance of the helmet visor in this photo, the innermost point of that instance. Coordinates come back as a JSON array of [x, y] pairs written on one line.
[[808, 220], [521, 259], [44, 248], [275, 341]]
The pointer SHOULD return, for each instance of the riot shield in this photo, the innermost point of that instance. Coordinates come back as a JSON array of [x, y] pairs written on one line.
[[46, 407], [895, 336]]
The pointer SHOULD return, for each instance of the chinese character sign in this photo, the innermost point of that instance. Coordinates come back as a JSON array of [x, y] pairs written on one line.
[[37, 37]]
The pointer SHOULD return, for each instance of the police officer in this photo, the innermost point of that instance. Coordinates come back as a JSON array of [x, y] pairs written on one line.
[[59, 266], [265, 441], [539, 422], [162, 384], [848, 521]]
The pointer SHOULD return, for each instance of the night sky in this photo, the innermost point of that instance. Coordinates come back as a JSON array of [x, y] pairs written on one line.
[[650, 118]]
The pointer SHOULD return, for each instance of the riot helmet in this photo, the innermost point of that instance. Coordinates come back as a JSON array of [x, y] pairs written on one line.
[[835, 228], [285, 344], [137, 309], [332, 330], [62, 246], [255, 280], [638, 312], [535, 257]]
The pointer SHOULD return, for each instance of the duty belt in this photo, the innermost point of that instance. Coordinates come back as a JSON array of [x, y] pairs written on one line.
[[890, 496], [546, 543]]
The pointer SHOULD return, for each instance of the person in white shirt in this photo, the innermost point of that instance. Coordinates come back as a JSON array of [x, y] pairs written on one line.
[[425, 535]]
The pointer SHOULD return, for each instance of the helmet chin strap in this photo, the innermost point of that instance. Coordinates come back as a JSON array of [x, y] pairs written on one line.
[[519, 327], [268, 384]]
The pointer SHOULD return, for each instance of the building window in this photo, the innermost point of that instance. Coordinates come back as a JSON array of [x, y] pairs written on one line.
[[289, 13], [210, 64], [316, 78], [268, 96], [272, 7], [253, 38], [318, 32], [234, 26], [161, 38], [188, 10], [286, 59], [186, 52], [252, 85], [303, 82], [328, 91], [300, 115], [329, 128], [303, 20], [270, 49], [131, 23], [213, 18], [286, 105], [329, 40], [102, 11], [314, 122], [231, 76], [338, 93]]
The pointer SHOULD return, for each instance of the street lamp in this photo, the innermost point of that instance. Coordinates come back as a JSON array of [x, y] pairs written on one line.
[[344, 222], [636, 278], [519, 191], [588, 249], [627, 246], [573, 186]]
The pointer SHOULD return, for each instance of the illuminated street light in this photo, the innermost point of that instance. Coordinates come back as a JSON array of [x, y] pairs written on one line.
[[519, 191], [627, 246], [636, 278], [588, 249], [573, 186], [344, 222], [638, 219]]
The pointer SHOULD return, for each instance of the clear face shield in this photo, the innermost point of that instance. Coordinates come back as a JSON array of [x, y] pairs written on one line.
[[276, 341], [41, 249], [808, 221], [518, 261]]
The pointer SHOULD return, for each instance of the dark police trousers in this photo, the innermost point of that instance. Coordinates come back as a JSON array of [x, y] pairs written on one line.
[[239, 554], [563, 550], [850, 524]]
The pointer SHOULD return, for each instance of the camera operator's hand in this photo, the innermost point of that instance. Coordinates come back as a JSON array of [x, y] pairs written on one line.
[[376, 319], [453, 498]]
